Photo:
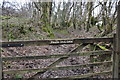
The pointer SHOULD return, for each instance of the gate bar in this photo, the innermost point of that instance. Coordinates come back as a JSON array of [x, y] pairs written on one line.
[[54, 42]]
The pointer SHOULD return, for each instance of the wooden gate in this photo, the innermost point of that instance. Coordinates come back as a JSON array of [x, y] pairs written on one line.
[[82, 42]]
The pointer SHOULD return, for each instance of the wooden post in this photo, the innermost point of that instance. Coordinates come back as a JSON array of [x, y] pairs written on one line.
[[92, 59], [117, 52], [115, 60], [0, 66], [118, 36], [0, 44]]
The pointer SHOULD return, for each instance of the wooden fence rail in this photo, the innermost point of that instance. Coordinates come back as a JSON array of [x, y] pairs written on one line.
[[56, 68], [80, 76], [57, 55], [54, 42]]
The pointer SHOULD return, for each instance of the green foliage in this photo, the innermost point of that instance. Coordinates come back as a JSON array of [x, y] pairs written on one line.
[[102, 47], [18, 76], [5, 17], [45, 29], [62, 31], [31, 29], [22, 30], [11, 37], [93, 20], [13, 31], [1, 50], [51, 35], [49, 31]]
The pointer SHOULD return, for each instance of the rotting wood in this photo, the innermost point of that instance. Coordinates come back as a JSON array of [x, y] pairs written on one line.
[[92, 53], [54, 42], [56, 68]]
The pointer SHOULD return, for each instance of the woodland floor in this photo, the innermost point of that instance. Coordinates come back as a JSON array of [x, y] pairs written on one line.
[[47, 50]]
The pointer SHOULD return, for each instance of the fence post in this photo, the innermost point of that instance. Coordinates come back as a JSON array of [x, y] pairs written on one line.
[[0, 66], [117, 53], [118, 36], [114, 59]]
